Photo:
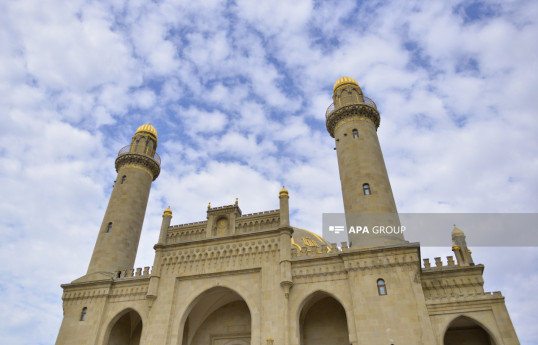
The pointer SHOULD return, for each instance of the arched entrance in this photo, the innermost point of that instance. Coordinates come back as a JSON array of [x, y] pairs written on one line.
[[323, 321], [466, 331], [219, 316], [126, 330]]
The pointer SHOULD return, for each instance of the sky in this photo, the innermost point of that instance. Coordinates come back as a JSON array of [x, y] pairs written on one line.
[[237, 91]]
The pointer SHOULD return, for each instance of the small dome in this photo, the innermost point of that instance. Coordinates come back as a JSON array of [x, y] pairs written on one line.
[[344, 80], [456, 231], [147, 129], [167, 212], [305, 238], [283, 192]]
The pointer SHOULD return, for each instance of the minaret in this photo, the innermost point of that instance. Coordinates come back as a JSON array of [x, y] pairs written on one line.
[[460, 249], [137, 165], [353, 120]]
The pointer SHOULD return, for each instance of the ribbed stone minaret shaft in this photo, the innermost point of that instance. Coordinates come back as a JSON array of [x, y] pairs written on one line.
[[138, 165], [353, 120]]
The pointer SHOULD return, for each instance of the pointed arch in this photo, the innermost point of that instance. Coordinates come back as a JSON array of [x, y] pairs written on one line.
[[124, 328], [466, 330], [320, 311], [214, 303]]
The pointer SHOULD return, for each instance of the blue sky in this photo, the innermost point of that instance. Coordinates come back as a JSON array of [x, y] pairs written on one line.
[[238, 91]]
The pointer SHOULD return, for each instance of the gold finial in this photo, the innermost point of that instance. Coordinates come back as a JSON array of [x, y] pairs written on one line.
[[470, 252], [283, 193], [455, 248], [167, 212], [236, 201], [270, 341], [147, 129], [209, 205], [344, 80]]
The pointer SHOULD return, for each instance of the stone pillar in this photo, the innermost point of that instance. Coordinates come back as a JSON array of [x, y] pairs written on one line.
[[167, 217], [285, 258]]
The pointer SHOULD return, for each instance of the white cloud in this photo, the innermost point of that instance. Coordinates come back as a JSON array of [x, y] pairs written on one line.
[[238, 94]]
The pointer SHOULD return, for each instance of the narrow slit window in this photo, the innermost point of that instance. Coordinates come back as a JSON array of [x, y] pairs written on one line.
[[123, 179], [355, 133], [109, 227], [366, 189], [83, 314], [381, 287]]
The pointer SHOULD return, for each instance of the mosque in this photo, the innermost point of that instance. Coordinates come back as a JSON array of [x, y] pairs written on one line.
[[238, 279]]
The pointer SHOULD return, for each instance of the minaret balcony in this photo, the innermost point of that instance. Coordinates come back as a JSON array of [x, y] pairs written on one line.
[[130, 149], [367, 101], [139, 155]]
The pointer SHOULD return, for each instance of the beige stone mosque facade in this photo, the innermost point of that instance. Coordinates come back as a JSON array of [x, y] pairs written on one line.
[[238, 279]]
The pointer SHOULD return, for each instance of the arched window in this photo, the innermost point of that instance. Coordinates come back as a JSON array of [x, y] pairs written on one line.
[[83, 314], [123, 179], [381, 287], [355, 133], [109, 227], [366, 189]]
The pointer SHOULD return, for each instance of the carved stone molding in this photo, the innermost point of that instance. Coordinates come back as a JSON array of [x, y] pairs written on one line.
[[145, 162]]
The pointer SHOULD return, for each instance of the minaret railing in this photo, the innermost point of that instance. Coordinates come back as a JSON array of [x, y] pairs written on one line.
[[367, 101], [129, 149]]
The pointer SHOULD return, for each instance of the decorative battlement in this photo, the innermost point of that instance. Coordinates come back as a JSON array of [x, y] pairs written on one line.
[[133, 273], [323, 250], [187, 232], [258, 221], [187, 225], [260, 213], [439, 263], [221, 210], [451, 280]]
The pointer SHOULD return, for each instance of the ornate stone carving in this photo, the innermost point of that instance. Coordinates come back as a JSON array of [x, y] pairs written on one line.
[[145, 162], [352, 110]]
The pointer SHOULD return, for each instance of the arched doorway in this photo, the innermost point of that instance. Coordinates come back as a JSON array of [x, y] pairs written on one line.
[[323, 321], [126, 330], [219, 316], [466, 331]]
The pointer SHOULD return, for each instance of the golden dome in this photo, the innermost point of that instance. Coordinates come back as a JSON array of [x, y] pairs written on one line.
[[167, 212], [457, 232], [344, 80], [147, 129], [283, 192], [305, 238]]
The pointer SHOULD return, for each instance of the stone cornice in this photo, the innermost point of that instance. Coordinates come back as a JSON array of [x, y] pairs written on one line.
[[353, 110], [142, 161]]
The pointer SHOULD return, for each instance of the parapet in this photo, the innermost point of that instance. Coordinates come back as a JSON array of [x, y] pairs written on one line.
[[187, 232], [230, 218], [132, 273], [450, 263], [317, 251]]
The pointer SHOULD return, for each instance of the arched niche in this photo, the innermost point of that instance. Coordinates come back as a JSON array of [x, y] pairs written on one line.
[[464, 330], [323, 320], [125, 329], [218, 316]]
